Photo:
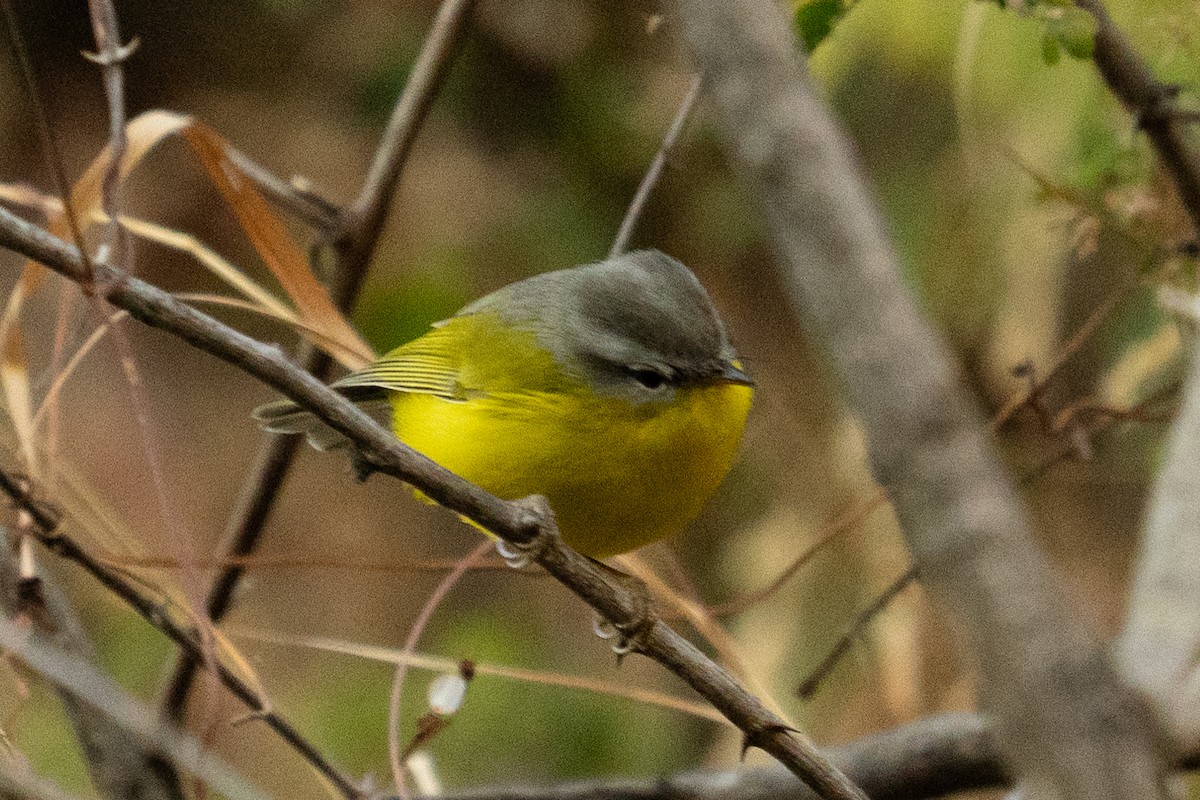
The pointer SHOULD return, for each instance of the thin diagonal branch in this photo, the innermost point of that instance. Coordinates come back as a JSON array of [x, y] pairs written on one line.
[[305, 204], [242, 535], [1081, 336], [1151, 102], [49, 141], [47, 529], [842, 524], [119, 764], [1069, 724], [654, 173], [528, 524], [808, 687]]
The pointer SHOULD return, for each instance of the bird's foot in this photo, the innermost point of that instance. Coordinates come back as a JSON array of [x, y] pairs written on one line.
[[536, 519], [628, 635]]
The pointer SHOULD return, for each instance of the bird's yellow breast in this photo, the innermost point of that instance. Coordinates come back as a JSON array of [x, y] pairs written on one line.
[[618, 474]]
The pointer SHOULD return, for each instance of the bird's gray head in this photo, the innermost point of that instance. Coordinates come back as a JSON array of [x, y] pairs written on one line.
[[638, 326]]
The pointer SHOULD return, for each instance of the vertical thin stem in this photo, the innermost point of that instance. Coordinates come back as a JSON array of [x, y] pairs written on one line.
[[110, 55]]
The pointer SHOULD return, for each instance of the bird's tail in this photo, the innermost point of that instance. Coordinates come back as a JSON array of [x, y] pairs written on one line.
[[284, 416]]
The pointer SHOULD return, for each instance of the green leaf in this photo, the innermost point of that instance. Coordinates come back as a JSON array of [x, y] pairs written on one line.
[[1076, 31], [815, 19], [1051, 50]]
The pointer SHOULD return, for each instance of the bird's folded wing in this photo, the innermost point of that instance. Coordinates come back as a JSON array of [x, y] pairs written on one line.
[[423, 366]]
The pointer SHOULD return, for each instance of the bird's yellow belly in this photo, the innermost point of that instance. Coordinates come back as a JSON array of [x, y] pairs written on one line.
[[617, 474]]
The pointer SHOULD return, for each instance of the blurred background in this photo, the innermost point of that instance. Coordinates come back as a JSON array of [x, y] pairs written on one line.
[[1019, 195]]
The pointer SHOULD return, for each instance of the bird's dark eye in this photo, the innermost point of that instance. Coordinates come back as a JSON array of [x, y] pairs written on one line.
[[649, 378]]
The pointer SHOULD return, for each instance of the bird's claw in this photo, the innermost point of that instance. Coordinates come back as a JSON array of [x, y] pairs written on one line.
[[628, 636]]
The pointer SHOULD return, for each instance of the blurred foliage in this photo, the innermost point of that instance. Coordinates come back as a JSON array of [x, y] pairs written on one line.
[[1069, 30], [1018, 193], [576, 734], [815, 20]]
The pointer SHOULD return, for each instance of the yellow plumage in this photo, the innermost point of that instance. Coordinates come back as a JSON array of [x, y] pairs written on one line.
[[610, 388], [618, 474]]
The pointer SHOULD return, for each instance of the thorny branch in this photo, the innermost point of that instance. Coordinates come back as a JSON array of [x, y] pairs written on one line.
[[527, 523]]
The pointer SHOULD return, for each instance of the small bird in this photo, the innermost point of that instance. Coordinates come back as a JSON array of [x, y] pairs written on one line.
[[610, 388]]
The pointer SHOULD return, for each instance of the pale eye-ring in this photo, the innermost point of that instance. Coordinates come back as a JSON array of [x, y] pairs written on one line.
[[650, 378]]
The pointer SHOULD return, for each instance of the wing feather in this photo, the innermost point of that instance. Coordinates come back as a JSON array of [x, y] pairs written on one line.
[[426, 365]]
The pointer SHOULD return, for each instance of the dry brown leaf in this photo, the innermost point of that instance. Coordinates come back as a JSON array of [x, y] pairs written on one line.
[[63, 375], [22, 195], [322, 322], [281, 255], [14, 373], [214, 263], [14, 376]]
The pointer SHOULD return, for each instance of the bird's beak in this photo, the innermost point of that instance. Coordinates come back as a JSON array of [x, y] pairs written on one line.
[[733, 373]]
